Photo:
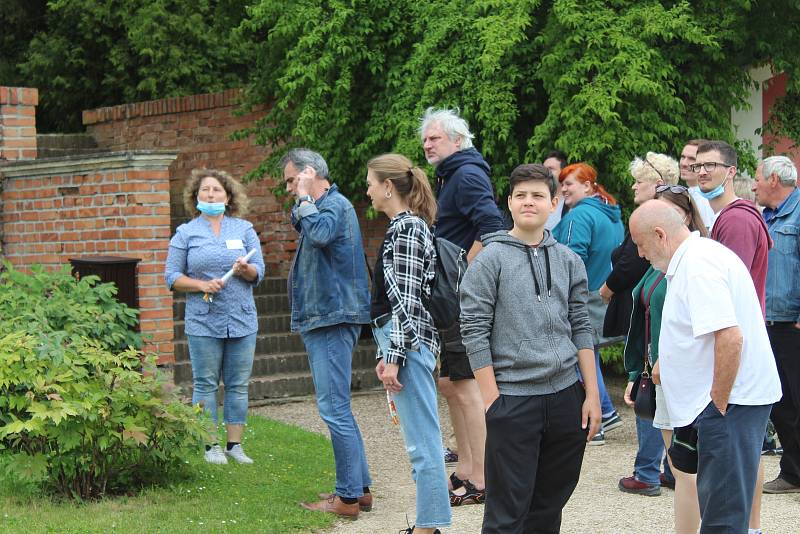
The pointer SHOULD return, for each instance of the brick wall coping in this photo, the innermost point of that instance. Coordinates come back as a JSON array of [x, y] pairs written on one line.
[[231, 97], [139, 159]]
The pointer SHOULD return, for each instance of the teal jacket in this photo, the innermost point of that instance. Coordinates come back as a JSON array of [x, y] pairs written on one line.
[[592, 229], [634, 346]]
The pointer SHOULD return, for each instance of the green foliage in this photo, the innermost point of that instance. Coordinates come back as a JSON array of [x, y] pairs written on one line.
[[88, 53], [20, 20], [613, 358], [216, 499], [55, 301], [602, 81], [82, 411]]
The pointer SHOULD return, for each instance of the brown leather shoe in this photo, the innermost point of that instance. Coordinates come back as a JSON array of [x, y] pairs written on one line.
[[333, 505], [364, 502]]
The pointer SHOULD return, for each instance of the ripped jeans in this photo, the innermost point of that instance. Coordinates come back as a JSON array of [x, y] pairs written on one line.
[[419, 421]]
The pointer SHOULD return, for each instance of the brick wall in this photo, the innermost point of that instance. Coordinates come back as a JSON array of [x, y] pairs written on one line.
[[198, 128], [18, 123], [109, 205]]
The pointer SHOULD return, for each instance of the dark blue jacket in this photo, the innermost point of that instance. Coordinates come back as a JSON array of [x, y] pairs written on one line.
[[467, 209]]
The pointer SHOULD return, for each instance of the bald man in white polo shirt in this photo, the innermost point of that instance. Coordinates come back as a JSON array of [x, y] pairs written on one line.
[[717, 368]]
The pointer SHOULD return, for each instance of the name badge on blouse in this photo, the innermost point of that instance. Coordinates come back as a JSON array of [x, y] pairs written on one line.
[[234, 244]]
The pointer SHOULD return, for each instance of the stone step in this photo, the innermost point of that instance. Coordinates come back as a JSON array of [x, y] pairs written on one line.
[[266, 344], [295, 384], [267, 324], [265, 304], [289, 362]]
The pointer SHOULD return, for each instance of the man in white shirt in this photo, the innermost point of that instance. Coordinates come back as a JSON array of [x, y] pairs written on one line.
[[688, 156], [717, 367]]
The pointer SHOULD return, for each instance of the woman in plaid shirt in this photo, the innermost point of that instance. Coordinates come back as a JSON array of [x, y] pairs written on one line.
[[407, 340]]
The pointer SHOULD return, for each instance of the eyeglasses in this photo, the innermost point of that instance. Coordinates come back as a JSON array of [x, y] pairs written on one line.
[[677, 189], [654, 168], [709, 166]]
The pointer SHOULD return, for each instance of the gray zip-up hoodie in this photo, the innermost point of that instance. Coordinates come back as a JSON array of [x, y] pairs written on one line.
[[523, 311]]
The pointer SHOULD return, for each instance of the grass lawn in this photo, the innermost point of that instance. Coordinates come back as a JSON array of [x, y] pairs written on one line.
[[291, 465]]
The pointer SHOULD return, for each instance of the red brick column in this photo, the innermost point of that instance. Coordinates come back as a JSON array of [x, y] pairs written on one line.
[[18, 123]]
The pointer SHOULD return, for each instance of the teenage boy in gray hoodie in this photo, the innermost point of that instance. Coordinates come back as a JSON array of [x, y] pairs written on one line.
[[526, 327]]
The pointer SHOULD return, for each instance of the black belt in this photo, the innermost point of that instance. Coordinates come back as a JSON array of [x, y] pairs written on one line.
[[379, 322], [779, 323]]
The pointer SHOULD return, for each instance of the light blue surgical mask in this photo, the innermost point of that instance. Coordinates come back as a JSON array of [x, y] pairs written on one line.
[[211, 208], [714, 193]]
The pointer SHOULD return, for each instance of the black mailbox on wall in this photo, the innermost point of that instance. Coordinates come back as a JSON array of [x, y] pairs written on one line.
[[121, 271]]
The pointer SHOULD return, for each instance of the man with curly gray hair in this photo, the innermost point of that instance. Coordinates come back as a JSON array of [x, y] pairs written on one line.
[[466, 211]]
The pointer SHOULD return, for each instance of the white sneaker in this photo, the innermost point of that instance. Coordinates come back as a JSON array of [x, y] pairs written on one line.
[[214, 455], [237, 453]]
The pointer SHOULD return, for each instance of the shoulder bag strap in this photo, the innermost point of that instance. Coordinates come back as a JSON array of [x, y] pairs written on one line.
[[646, 301]]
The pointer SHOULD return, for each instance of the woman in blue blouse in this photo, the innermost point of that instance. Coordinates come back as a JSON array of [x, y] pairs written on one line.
[[221, 321], [403, 329]]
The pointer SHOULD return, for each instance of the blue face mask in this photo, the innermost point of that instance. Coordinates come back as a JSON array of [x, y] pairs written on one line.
[[714, 193], [211, 208]]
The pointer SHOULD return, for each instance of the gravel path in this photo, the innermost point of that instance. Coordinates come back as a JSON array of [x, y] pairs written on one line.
[[597, 506]]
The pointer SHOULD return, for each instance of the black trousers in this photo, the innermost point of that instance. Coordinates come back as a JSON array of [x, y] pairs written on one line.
[[534, 451], [785, 341]]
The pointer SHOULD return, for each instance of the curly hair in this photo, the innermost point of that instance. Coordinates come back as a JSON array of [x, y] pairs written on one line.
[[238, 202], [654, 167]]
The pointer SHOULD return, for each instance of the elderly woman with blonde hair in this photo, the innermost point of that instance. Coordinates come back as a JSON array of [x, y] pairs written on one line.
[[220, 318], [650, 172]]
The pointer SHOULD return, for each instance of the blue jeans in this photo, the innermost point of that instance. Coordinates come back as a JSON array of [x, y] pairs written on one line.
[[647, 466], [233, 359], [330, 356], [419, 420], [728, 454], [606, 406]]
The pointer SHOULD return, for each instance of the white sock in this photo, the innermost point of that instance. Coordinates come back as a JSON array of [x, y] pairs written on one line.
[[754, 531]]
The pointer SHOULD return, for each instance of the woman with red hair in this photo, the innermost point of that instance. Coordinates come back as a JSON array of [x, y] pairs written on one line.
[[592, 228]]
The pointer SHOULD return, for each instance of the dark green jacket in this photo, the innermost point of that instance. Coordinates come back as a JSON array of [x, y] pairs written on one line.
[[634, 346]]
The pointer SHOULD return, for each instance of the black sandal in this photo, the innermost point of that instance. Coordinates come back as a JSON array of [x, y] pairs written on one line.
[[472, 496], [456, 482]]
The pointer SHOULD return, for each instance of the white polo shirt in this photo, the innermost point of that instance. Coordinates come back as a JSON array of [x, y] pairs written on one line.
[[708, 289]]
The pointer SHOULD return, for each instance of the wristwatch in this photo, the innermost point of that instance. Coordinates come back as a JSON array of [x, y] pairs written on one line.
[[304, 198]]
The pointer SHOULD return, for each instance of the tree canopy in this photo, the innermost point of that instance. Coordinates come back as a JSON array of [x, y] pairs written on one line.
[[603, 81], [83, 54]]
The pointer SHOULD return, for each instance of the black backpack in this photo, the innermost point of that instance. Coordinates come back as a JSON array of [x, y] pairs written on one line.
[[451, 264]]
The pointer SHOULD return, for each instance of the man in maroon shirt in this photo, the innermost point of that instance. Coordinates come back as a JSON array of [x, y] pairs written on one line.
[[738, 225]]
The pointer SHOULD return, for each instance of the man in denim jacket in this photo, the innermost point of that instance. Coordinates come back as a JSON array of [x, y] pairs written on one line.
[[329, 297], [776, 189]]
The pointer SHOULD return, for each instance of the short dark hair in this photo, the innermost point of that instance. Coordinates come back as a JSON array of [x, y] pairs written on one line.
[[557, 154], [726, 151], [528, 172]]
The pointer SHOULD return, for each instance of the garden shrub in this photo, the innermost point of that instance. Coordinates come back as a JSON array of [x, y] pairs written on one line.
[[82, 410]]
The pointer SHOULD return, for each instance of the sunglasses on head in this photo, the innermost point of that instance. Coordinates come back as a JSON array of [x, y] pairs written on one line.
[[677, 189], [654, 168]]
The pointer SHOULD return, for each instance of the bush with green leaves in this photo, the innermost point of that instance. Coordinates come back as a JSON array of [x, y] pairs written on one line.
[[82, 410]]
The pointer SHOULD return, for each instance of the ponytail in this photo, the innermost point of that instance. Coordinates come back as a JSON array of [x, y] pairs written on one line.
[[420, 198], [410, 182], [583, 172]]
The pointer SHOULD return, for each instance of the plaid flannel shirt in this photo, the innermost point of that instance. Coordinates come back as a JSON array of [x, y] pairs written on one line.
[[408, 267]]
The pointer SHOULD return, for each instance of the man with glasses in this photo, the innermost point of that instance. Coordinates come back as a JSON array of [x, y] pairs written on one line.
[[738, 224], [688, 156], [740, 227]]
